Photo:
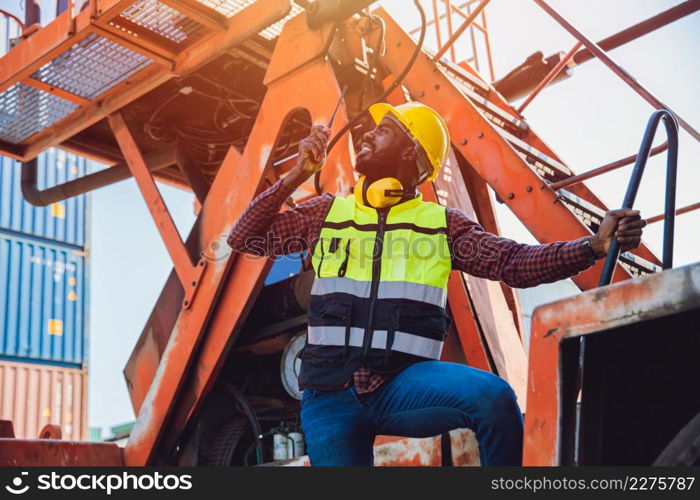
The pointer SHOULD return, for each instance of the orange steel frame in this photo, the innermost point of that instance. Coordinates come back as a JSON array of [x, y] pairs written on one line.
[[188, 273], [293, 67], [654, 296], [299, 76], [232, 284], [446, 14]]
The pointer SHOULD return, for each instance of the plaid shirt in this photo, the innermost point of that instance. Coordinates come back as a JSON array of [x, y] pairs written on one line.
[[263, 230]]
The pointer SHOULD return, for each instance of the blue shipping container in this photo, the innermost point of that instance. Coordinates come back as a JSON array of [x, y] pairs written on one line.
[[43, 302], [63, 221]]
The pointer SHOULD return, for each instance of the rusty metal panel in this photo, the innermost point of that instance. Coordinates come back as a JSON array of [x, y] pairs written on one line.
[[598, 311], [33, 395], [394, 451], [53, 453]]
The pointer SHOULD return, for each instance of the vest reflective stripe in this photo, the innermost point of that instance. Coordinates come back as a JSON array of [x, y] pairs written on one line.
[[381, 278], [403, 342], [414, 291], [387, 290]]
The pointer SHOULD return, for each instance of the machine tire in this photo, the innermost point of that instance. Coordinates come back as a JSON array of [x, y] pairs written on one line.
[[684, 448], [231, 443]]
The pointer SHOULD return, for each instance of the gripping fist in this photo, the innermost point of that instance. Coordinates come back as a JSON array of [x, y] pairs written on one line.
[[312, 149], [625, 225]]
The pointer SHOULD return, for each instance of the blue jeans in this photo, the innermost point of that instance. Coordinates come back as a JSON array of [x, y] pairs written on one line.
[[426, 399]]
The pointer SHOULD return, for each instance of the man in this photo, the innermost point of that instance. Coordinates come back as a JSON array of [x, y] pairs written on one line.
[[377, 316]]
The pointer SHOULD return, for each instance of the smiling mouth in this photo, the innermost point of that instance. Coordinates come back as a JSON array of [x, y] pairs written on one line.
[[364, 146]]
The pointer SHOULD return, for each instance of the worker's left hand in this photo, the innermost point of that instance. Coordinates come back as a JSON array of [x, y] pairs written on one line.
[[625, 225]]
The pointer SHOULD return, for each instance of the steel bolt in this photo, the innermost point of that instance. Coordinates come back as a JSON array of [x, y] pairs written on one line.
[[421, 93], [480, 135], [437, 86], [528, 189], [464, 141], [511, 196], [193, 283], [398, 44]]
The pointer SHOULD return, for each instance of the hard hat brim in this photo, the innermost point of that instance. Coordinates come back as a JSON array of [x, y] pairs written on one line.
[[379, 110]]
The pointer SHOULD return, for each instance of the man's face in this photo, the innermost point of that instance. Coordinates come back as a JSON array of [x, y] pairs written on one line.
[[384, 152]]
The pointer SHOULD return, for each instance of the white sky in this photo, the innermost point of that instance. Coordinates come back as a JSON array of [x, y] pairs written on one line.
[[590, 119]]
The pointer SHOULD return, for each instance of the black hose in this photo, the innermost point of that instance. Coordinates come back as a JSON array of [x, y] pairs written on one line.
[[252, 416], [389, 90], [379, 47]]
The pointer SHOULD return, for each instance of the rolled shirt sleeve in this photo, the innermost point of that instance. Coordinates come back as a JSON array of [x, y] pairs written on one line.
[[263, 230], [489, 256]]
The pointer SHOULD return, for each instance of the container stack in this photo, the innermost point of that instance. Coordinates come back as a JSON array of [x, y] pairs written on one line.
[[43, 301], [43, 295]]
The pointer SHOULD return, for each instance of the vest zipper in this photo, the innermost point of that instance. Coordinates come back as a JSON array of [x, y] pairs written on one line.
[[344, 266], [376, 275], [320, 261]]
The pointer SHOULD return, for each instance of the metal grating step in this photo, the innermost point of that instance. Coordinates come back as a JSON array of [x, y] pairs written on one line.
[[490, 110], [230, 7], [592, 216], [25, 111], [160, 19], [548, 168], [91, 67], [464, 76], [494, 113], [638, 266]]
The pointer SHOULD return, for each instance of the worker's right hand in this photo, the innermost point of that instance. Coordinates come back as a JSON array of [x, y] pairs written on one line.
[[312, 149]]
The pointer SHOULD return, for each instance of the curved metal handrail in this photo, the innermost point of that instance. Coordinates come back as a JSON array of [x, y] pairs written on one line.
[[633, 186]]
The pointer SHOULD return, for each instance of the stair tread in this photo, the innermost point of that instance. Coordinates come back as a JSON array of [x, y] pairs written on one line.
[[536, 153], [592, 215], [465, 75]]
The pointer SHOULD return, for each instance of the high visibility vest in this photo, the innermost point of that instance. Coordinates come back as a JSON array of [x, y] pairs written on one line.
[[380, 290]]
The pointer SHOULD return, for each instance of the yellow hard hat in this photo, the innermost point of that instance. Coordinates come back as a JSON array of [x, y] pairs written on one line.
[[425, 125]]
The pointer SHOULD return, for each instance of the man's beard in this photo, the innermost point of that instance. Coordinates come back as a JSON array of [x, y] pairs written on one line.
[[377, 166]]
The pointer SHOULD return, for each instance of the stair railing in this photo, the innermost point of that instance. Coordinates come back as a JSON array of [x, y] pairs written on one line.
[[633, 186]]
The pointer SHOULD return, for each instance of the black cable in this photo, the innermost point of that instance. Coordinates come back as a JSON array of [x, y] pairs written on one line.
[[252, 416], [376, 50], [389, 90]]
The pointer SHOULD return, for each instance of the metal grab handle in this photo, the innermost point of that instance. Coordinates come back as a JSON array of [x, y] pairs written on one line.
[[670, 205]]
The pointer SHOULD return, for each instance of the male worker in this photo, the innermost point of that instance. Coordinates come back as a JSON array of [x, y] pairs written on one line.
[[377, 318]]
